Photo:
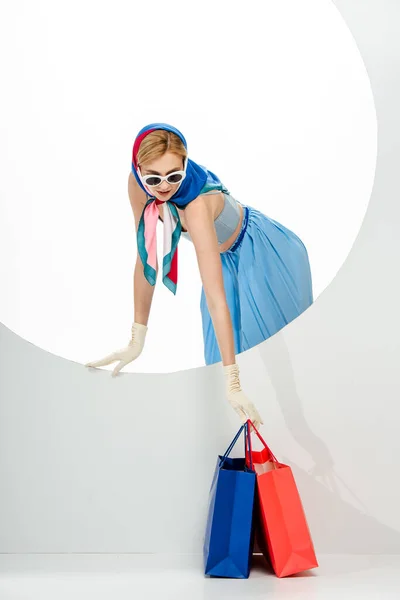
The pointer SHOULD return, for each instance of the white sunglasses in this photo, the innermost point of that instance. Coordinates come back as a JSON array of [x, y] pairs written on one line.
[[172, 178]]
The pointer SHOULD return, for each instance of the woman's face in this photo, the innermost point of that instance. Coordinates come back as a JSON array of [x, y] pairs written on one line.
[[165, 164]]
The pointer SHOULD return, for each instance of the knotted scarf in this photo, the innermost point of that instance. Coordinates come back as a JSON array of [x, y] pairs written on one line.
[[198, 180]]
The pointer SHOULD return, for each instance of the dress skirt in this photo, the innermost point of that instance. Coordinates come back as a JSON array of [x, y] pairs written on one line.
[[267, 280]]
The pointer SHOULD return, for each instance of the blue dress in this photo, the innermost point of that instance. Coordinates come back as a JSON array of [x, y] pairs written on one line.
[[267, 280]]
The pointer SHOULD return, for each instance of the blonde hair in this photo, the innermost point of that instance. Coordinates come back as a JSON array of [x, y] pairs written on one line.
[[157, 143]]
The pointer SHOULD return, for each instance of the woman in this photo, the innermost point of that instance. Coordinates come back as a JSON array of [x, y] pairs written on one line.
[[255, 272]]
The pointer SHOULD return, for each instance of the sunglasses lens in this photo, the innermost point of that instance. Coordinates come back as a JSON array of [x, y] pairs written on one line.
[[174, 178], [153, 180]]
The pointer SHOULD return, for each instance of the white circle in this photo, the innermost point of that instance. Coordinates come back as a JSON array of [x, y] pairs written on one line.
[[272, 97]]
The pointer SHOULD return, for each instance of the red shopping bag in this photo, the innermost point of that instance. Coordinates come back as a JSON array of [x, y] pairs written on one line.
[[285, 538]]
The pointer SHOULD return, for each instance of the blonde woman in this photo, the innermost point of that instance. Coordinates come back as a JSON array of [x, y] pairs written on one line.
[[255, 272]]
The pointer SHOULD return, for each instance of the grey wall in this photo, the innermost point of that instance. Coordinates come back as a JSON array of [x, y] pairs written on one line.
[[94, 464]]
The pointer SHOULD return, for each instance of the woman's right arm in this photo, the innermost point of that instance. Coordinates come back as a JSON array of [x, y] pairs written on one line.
[[142, 297], [142, 290]]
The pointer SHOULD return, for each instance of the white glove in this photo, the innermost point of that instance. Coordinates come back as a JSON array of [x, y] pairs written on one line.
[[237, 398], [125, 355]]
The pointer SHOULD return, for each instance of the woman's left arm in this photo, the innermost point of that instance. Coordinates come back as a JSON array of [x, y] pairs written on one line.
[[200, 224]]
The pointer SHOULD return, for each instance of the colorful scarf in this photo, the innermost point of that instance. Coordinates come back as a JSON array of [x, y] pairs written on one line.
[[198, 179]]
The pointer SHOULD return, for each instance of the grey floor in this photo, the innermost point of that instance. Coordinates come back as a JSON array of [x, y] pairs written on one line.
[[178, 577]]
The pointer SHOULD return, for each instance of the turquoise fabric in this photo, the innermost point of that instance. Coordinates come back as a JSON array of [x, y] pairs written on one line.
[[267, 280]]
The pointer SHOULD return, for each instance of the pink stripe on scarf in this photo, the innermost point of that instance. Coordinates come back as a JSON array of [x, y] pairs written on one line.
[[150, 227]]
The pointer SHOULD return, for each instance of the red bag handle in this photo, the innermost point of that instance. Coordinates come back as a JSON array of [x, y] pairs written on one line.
[[247, 440], [248, 448], [262, 440]]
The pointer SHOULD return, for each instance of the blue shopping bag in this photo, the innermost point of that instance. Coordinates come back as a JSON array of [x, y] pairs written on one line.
[[228, 543]]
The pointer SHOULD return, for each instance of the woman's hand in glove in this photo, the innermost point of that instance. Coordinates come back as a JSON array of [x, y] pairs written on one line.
[[237, 398], [127, 354]]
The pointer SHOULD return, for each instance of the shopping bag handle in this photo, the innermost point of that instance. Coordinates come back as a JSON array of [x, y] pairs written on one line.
[[235, 439], [233, 442], [247, 438], [262, 440]]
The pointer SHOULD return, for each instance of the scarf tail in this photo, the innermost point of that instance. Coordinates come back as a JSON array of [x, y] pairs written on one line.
[[170, 279], [147, 241], [172, 233]]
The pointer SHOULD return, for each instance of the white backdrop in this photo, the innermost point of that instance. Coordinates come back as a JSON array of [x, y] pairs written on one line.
[[279, 107]]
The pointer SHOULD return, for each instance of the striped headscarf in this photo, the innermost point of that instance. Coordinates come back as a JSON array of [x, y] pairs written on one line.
[[197, 179]]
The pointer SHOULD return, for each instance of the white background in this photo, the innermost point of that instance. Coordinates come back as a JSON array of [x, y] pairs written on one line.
[[279, 108]]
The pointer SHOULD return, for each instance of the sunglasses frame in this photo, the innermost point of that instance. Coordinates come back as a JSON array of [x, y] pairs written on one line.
[[163, 178], [145, 178]]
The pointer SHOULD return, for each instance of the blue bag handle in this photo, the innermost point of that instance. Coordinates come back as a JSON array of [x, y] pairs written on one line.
[[246, 434], [232, 444]]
